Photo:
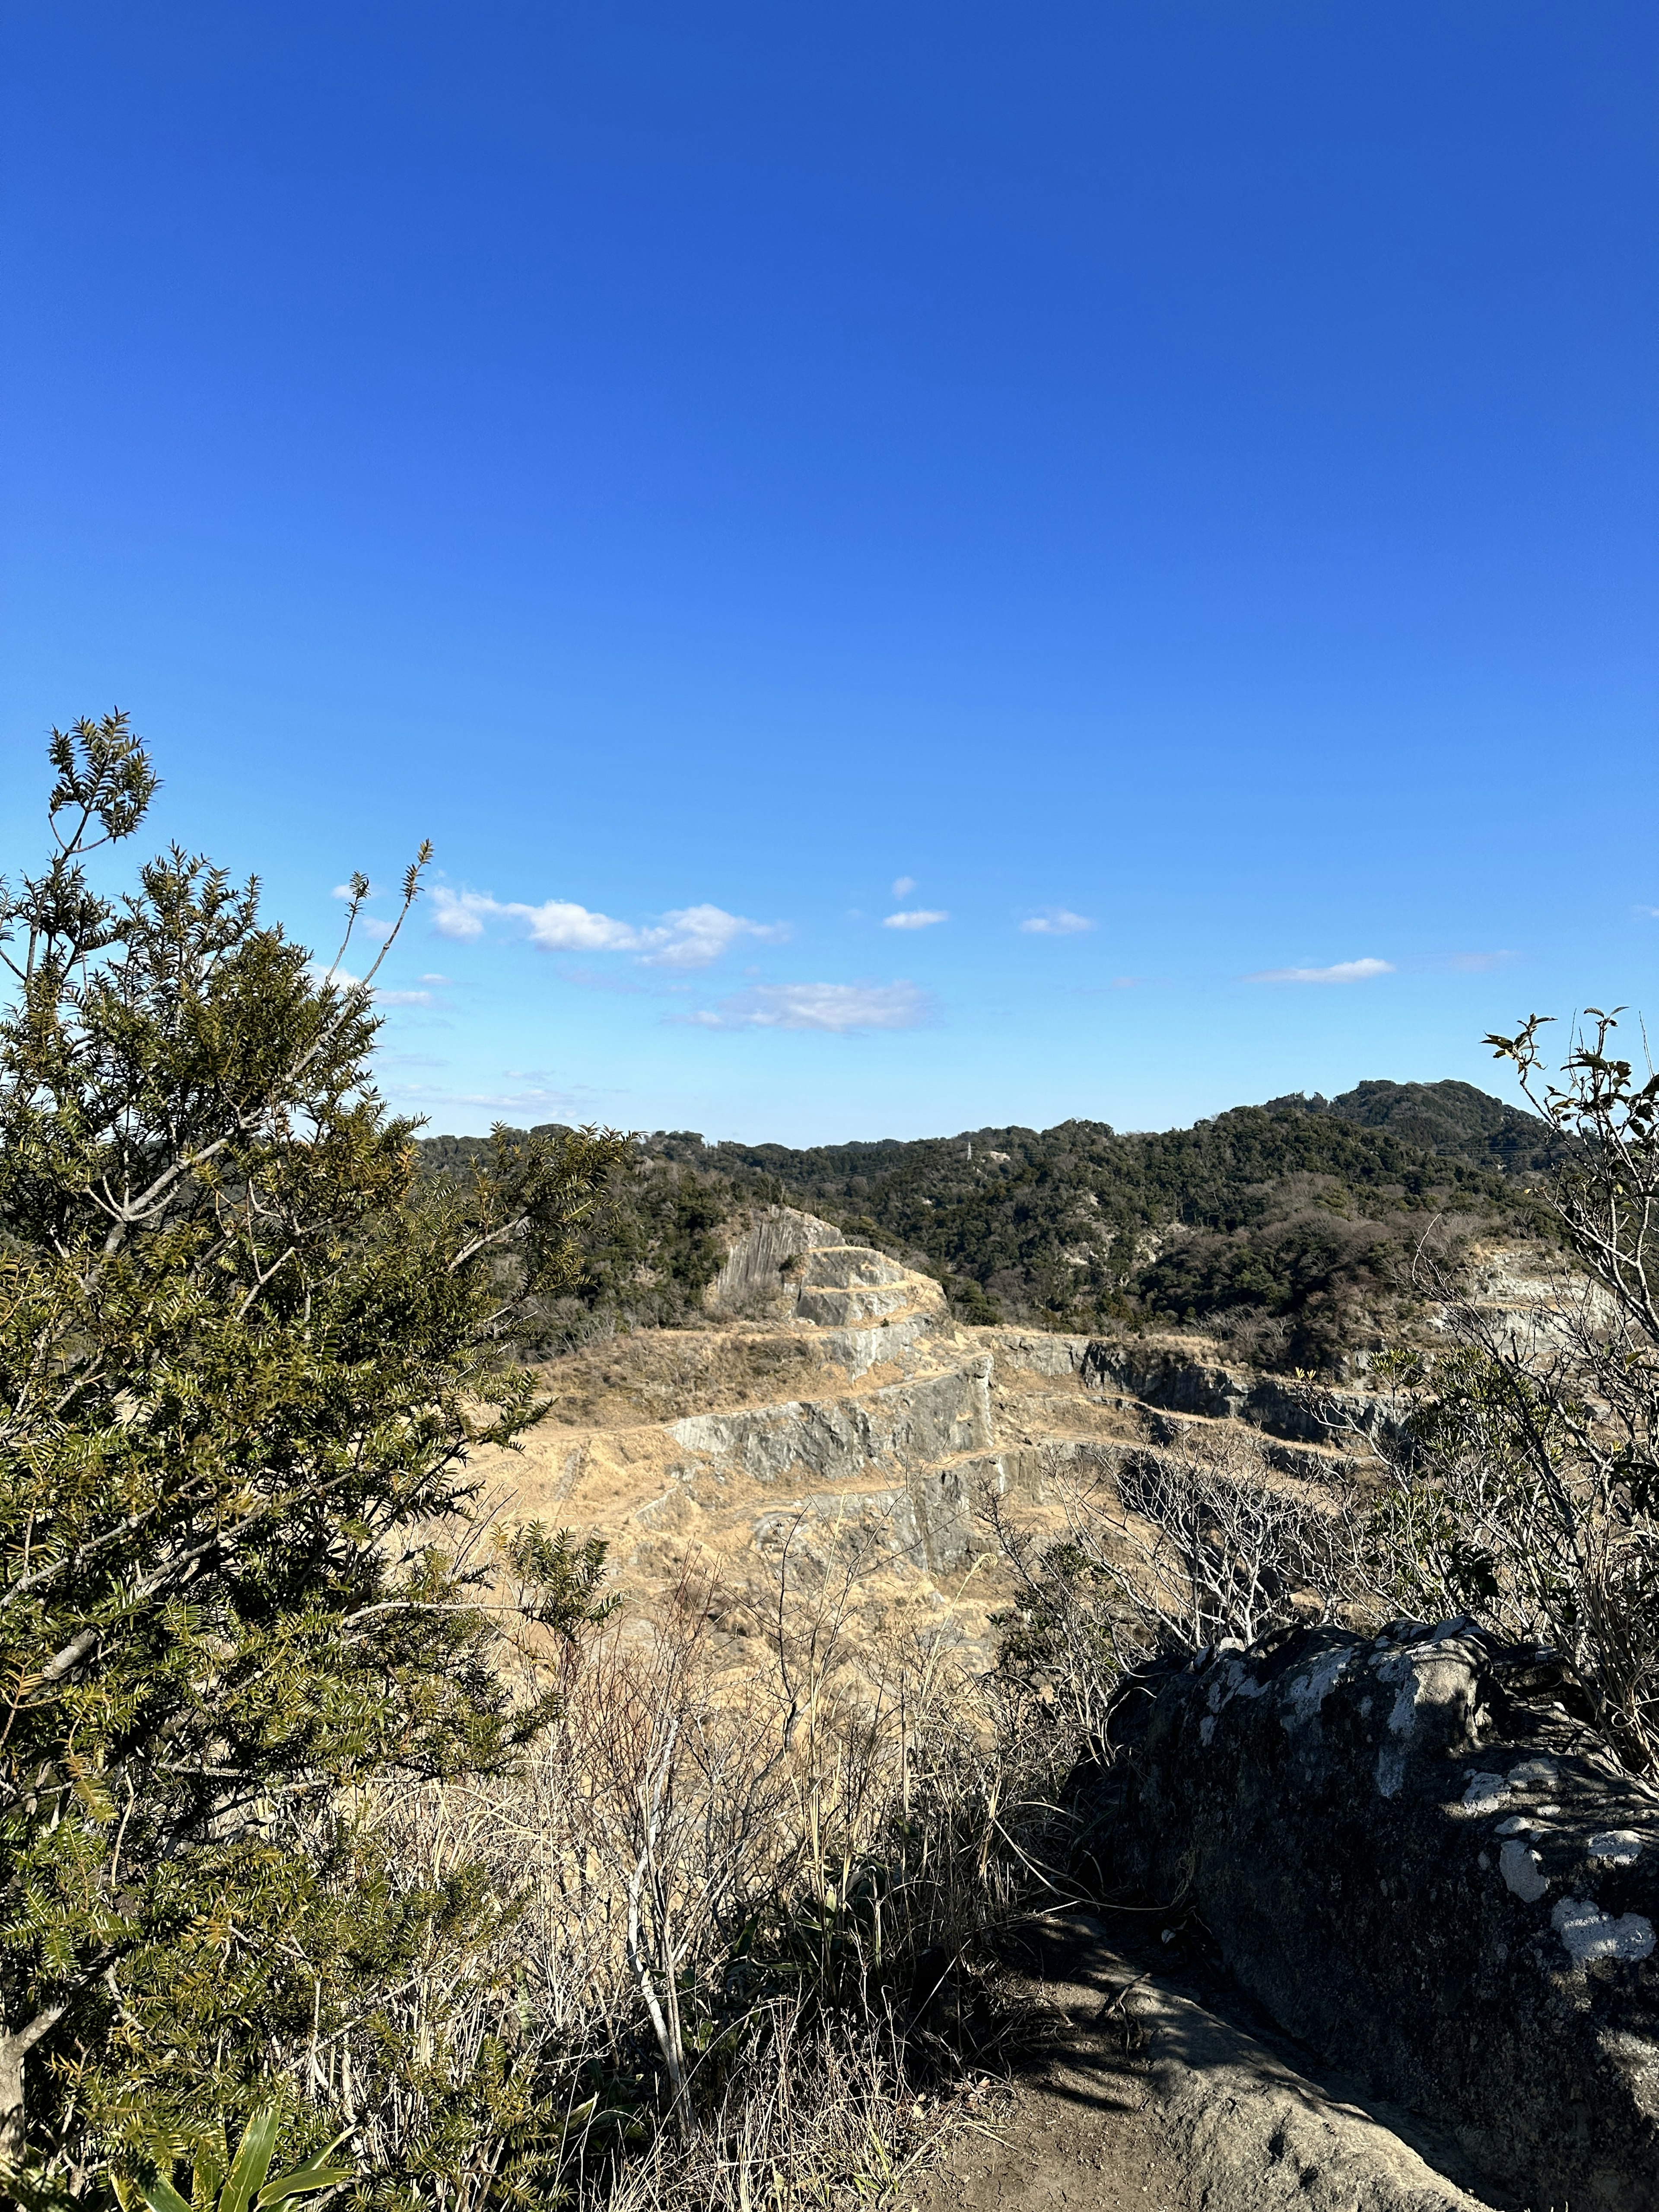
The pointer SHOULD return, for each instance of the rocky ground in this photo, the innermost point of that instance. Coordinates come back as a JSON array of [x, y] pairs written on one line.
[[833, 1415], [1133, 2092]]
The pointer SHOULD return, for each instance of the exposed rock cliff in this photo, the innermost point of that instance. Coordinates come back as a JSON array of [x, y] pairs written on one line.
[[832, 1411], [1412, 1853]]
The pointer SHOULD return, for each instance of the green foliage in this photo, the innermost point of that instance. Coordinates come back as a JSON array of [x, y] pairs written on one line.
[[244, 1353], [1441, 1531], [1529, 1496], [1287, 1225], [1294, 1215], [243, 2183], [650, 1246], [1452, 1119]]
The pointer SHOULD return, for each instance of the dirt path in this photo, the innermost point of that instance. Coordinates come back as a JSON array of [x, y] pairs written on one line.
[[1132, 2095]]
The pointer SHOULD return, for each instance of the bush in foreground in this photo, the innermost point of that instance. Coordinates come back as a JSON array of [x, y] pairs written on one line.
[[242, 1361]]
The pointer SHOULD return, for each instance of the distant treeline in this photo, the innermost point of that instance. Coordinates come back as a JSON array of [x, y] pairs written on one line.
[[1286, 1227]]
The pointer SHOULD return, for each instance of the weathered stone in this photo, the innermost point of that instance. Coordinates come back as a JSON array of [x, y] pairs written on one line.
[[754, 1265], [851, 1441], [1168, 1377], [1425, 1867]]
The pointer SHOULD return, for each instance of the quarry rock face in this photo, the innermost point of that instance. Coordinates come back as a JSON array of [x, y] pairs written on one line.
[[776, 1236], [1411, 1852], [831, 1419], [1169, 1377]]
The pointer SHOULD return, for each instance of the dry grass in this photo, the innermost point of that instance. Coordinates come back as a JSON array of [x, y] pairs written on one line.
[[745, 1891]]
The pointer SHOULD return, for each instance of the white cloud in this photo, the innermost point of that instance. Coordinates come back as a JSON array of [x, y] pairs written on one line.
[[903, 885], [688, 937], [561, 926], [1479, 963], [1056, 921], [346, 892], [555, 926], [459, 915], [835, 1008], [920, 917], [343, 980], [1344, 971], [697, 934]]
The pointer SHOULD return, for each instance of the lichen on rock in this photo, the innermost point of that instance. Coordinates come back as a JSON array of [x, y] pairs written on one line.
[[1411, 1851]]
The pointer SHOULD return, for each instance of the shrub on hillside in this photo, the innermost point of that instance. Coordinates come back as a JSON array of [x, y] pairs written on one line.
[[1529, 1496], [243, 1359]]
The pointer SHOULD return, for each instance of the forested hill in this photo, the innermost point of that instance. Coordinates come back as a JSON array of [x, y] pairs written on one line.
[[1285, 1226], [1453, 1119]]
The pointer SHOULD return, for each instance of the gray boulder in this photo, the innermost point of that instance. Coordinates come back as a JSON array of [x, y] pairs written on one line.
[[1424, 1865]]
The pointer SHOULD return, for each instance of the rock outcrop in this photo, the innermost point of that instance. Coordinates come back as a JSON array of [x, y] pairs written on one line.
[[1130, 2092], [754, 1263], [1417, 1858], [832, 1416]]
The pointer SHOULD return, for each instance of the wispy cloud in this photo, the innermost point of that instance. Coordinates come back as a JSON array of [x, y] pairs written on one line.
[[1477, 963], [689, 937], [697, 934], [343, 980], [920, 917], [531, 1101], [837, 1009], [436, 979], [1344, 971], [1056, 921], [903, 885]]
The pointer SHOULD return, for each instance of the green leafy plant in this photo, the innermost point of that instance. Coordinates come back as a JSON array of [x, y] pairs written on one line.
[[244, 2182], [1528, 1491]]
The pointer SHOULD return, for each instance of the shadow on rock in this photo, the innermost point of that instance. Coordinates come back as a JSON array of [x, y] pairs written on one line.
[[1414, 1852]]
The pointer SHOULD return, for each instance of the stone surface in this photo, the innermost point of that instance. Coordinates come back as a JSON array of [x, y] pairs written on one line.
[[1129, 2093], [1175, 1379], [1412, 1853], [754, 1265], [831, 1419]]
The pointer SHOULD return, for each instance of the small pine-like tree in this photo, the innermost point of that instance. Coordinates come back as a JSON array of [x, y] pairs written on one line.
[[244, 1355]]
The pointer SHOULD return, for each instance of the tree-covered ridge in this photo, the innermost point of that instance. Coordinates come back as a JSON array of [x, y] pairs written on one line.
[[1448, 1117], [1287, 1224]]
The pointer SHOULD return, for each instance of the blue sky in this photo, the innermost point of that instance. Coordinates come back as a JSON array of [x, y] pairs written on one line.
[[922, 566]]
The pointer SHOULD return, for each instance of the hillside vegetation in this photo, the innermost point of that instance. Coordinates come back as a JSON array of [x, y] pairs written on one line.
[[1286, 1227]]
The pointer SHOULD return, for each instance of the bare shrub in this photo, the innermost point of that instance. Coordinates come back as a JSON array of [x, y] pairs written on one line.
[[1526, 1493], [813, 2116], [1169, 1553], [741, 1895]]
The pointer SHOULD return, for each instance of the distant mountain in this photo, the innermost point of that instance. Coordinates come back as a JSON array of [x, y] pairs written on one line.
[[1452, 1119], [1287, 1228]]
